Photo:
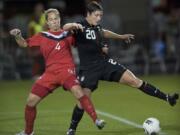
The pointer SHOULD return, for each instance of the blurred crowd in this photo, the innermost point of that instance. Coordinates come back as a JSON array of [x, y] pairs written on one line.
[[161, 56], [166, 33]]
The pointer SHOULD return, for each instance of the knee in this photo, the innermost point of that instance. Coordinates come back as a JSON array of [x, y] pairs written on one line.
[[130, 79], [77, 91], [135, 82], [33, 100]]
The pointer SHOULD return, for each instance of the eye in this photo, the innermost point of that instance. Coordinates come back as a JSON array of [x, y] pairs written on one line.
[[49, 19]]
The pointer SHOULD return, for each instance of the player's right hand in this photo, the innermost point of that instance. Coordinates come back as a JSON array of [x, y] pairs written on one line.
[[15, 32], [128, 38]]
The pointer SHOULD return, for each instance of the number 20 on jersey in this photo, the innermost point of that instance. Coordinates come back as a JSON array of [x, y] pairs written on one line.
[[90, 34]]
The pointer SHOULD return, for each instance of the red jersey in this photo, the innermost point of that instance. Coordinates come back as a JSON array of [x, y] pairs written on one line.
[[55, 48]]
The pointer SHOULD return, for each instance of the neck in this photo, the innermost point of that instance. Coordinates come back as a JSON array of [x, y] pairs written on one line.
[[55, 30]]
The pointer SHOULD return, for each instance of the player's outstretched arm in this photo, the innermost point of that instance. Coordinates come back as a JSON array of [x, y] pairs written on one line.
[[110, 34], [72, 26], [18, 37]]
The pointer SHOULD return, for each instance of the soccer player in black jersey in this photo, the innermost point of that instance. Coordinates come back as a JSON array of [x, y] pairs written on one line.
[[94, 66]]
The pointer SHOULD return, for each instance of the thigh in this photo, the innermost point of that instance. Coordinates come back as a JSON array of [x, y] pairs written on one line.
[[67, 78], [63, 74], [44, 85], [113, 71], [70, 82], [89, 77]]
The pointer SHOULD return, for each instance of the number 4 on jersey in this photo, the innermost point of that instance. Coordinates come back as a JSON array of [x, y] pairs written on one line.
[[58, 47]]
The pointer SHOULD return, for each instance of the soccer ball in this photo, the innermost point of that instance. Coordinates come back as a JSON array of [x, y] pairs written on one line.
[[151, 126]]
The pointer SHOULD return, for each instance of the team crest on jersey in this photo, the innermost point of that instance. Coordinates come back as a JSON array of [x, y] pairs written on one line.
[[98, 27], [82, 78]]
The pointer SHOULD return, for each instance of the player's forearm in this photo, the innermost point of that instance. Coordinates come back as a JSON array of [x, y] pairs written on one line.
[[110, 34], [68, 26], [72, 26], [21, 41]]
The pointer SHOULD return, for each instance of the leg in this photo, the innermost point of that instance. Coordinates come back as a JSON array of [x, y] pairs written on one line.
[[88, 80], [37, 94], [78, 111], [130, 79], [30, 112], [84, 103]]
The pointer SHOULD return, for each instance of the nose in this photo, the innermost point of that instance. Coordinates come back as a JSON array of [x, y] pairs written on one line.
[[54, 22], [99, 17]]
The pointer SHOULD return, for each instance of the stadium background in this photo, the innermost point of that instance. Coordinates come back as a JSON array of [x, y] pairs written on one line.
[[154, 56]]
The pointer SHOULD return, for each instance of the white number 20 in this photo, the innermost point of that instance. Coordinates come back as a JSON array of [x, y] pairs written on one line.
[[90, 34]]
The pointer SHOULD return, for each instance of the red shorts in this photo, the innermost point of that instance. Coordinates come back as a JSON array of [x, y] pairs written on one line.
[[49, 81]]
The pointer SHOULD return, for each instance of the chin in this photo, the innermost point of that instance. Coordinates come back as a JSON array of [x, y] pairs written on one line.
[[95, 24]]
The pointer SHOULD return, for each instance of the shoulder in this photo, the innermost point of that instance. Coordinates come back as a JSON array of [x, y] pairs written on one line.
[[36, 36], [99, 27], [82, 22], [35, 40]]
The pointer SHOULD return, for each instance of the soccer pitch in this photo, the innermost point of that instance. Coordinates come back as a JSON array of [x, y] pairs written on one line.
[[123, 108]]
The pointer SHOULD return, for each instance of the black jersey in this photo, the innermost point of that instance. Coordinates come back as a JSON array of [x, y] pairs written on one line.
[[89, 43]]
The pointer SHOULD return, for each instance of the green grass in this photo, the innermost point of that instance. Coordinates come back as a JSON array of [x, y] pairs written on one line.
[[54, 112]]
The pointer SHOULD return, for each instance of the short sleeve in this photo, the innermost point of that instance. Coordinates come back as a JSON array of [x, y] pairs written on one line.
[[34, 40]]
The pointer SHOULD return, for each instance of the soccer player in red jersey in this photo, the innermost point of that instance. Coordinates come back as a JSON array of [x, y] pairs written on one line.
[[60, 69]]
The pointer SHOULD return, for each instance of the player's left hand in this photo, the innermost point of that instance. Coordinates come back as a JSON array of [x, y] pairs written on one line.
[[128, 38], [105, 49]]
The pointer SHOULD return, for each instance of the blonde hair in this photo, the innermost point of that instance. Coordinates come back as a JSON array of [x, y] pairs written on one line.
[[51, 10]]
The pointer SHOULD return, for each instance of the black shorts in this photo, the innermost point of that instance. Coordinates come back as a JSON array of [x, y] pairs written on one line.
[[107, 70]]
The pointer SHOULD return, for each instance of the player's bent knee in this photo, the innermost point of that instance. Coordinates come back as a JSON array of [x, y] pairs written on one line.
[[33, 100], [130, 79], [134, 82], [87, 92], [77, 91]]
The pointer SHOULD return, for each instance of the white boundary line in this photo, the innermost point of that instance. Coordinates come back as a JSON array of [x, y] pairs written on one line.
[[117, 118]]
